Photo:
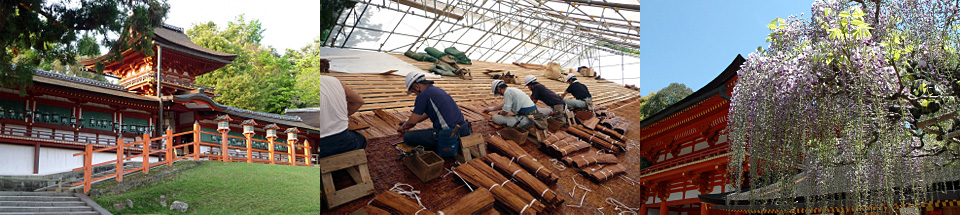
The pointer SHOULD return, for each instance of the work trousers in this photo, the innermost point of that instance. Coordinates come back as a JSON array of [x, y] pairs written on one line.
[[344, 141]]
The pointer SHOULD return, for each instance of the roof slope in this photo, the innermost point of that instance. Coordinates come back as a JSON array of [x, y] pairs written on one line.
[[388, 91]]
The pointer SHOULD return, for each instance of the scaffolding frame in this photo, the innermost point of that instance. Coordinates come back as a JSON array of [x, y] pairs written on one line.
[[525, 31]]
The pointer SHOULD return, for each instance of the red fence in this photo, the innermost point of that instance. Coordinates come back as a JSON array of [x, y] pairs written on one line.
[[167, 150]]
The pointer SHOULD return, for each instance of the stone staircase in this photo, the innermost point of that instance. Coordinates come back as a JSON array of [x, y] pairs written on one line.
[[48, 203]]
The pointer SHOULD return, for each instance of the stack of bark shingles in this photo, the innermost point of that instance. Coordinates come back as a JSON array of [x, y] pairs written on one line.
[[513, 187], [572, 145]]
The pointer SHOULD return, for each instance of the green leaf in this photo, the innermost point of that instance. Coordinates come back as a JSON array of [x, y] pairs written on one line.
[[844, 14], [773, 24]]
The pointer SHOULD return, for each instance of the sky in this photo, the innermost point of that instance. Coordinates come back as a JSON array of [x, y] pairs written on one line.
[[688, 42]]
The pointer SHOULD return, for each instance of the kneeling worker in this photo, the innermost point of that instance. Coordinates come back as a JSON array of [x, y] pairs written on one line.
[[434, 103], [339, 102], [538, 92], [515, 108], [581, 95]]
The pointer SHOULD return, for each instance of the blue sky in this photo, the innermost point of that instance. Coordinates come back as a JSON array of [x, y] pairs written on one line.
[[688, 42]]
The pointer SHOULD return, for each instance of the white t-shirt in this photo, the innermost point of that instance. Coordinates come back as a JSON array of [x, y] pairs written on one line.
[[514, 99], [332, 111]]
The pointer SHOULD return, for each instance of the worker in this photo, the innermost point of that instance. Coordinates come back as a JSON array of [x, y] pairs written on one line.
[[516, 109], [433, 103], [581, 95], [339, 102], [538, 92]]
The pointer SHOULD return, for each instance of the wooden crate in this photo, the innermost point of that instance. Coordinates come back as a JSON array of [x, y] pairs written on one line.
[[426, 166]]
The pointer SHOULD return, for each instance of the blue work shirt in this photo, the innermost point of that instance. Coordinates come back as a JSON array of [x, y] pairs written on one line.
[[444, 103]]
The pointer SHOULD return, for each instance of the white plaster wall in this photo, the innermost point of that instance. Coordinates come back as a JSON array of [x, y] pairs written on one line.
[[716, 189], [684, 151], [701, 145], [55, 160], [691, 194], [675, 196], [16, 159]]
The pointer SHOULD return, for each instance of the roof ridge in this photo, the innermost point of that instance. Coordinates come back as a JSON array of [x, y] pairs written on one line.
[[86, 81], [172, 27]]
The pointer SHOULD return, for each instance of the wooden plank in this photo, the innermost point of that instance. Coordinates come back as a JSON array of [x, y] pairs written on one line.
[[391, 120], [369, 210], [342, 161], [349, 194], [475, 202]]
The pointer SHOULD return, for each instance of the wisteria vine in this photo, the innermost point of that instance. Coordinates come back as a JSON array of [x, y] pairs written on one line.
[[856, 105]]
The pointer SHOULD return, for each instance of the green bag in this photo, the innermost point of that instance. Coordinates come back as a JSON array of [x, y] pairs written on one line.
[[420, 56], [453, 51], [434, 52]]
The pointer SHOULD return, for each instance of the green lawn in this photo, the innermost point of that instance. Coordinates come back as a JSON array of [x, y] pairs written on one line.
[[228, 188]]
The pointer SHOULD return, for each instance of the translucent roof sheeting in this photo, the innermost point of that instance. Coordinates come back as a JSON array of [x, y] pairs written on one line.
[[568, 32]]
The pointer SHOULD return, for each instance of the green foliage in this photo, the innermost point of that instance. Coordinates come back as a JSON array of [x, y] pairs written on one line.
[[259, 79], [329, 10], [34, 32], [307, 66], [225, 188], [664, 98]]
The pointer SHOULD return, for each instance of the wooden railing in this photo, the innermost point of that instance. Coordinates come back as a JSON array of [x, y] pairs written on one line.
[[167, 151], [713, 151], [48, 135]]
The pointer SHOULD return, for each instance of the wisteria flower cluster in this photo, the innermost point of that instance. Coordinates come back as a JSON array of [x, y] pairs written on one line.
[[859, 103]]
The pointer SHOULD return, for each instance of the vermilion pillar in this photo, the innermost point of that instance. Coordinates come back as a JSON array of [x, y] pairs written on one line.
[[663, 208]]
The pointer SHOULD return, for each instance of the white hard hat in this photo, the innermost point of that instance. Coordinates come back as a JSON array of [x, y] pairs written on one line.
[[412, 77], [494, 85], [529, 79], [569, 76]]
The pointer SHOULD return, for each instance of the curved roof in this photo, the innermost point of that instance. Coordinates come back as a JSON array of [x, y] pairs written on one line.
[[171, 37]]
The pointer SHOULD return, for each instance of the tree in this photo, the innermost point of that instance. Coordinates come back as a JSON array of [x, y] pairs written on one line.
[[35, 32], [258, 79], [665, 97], [329, 12], [862, 98]]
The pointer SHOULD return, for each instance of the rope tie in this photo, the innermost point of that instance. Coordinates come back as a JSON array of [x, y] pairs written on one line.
[[619, 206], [413, 194], [510, 164], [450, 170], [504, 182], [557, 165], [514, 173], [544, 192], [538, 170], [492, 186], [527, 206]]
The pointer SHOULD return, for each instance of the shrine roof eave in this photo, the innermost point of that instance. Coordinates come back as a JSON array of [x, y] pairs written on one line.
[[711, 89], [61, 80], [174, 39], [293, 121]]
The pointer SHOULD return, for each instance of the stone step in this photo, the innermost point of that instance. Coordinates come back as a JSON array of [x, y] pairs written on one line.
[[40, 198], [16, 193], [45, 209], [41, 204], [51, 213]]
